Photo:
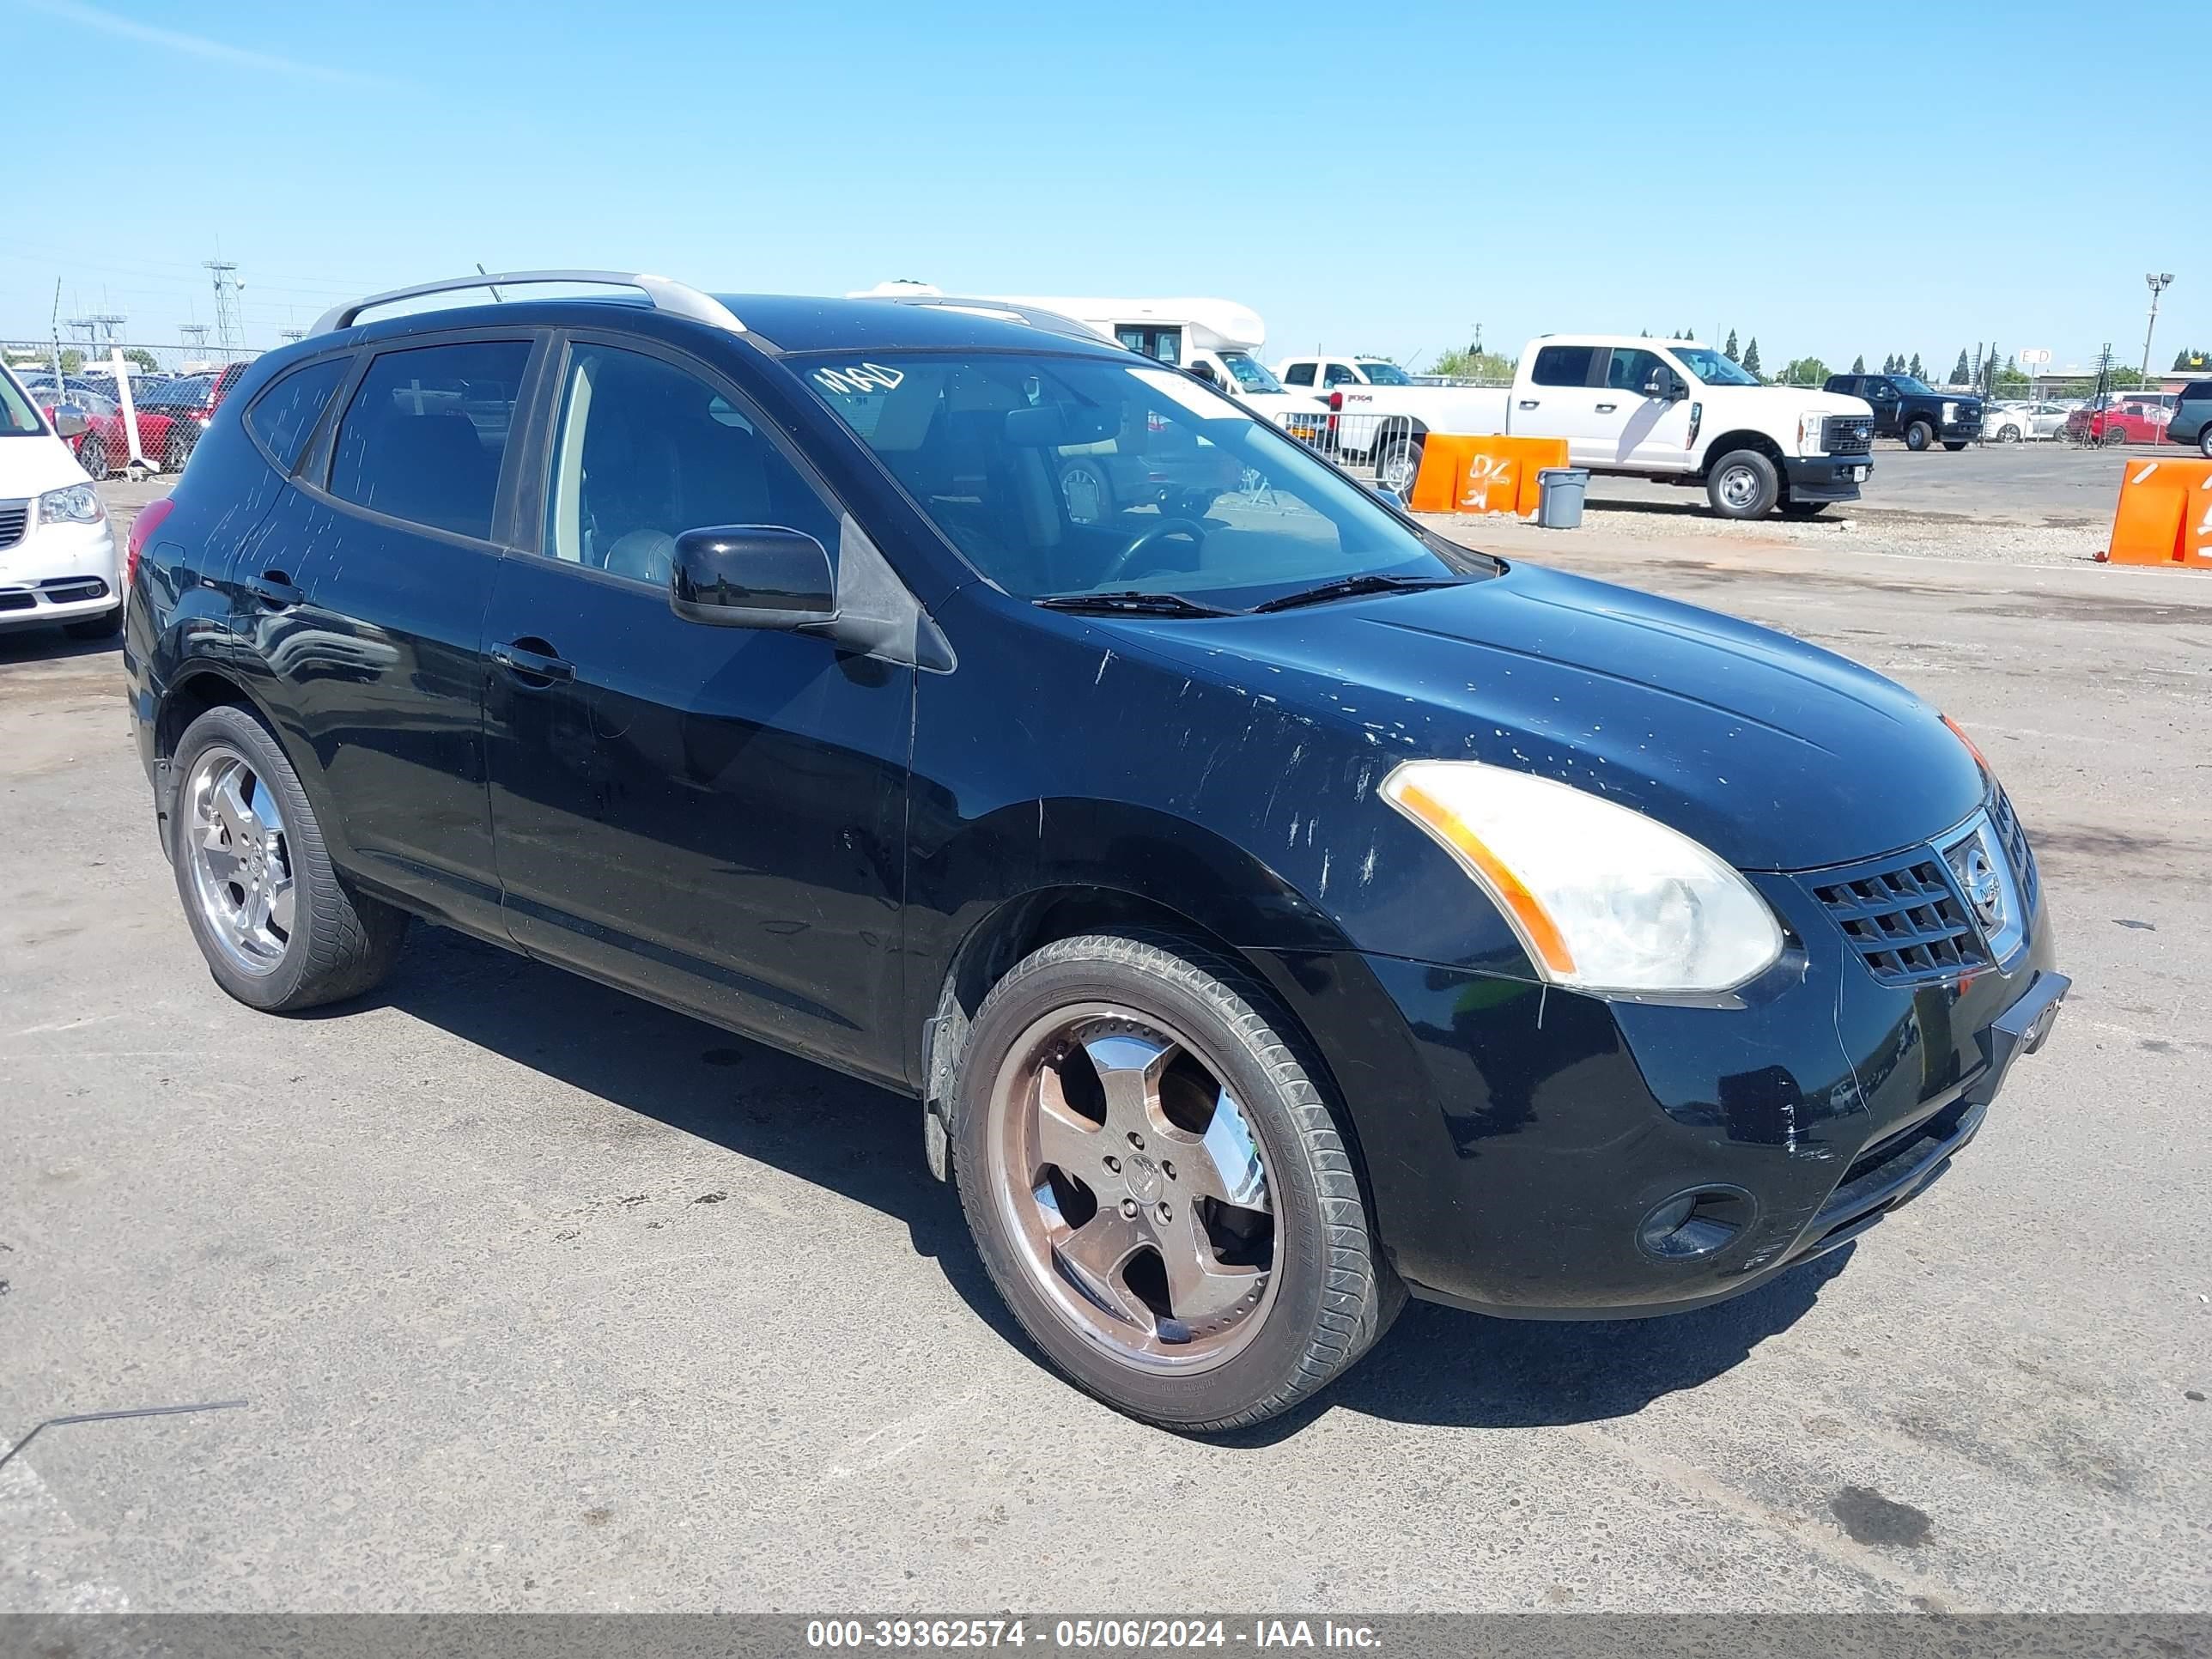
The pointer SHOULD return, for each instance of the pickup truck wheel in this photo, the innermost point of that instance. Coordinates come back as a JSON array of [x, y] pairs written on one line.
[[1399, 467], [1804, 509], [1743, 484], [1157, 1185], [1919, 435], [278, 928], [1954, 445]]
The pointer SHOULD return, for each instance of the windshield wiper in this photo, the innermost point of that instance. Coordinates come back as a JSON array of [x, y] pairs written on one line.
[[1132, 603], [1350, 587]]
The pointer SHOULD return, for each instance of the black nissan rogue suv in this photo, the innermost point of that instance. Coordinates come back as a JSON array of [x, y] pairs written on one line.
[[1274, 907]]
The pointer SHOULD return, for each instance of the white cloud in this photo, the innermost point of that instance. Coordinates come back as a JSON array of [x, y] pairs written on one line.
[[129, 28]]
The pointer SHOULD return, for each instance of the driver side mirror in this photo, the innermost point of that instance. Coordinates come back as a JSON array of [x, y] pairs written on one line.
[[70, 421], [752, 575], [1667, 384]]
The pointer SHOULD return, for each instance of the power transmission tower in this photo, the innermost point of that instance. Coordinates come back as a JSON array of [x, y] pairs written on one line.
[[229, 330]]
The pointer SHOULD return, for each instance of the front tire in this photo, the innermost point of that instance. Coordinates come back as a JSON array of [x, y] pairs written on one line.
[[1804, 509], [1743, 484], [1919, 435], [1158, 1187], [91, 456], [2007, 434], [279, 929], [1954, 445], [2204, 441]]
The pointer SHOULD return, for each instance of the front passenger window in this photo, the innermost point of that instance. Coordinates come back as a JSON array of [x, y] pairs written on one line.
[[645, 451]]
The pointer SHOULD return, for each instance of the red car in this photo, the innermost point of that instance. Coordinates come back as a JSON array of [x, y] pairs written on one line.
[[104, 447], [183, 407], [2129, 421]]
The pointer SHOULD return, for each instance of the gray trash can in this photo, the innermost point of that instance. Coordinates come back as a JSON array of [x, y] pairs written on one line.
[[1559, 506]]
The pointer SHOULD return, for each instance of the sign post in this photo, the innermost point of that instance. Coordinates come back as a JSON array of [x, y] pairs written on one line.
[[2034, 357]]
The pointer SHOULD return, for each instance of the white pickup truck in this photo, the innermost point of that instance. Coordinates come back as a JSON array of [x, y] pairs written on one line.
[[1672, 410]]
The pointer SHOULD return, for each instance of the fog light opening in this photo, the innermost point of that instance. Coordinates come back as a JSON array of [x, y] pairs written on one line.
[[1696, 1224]]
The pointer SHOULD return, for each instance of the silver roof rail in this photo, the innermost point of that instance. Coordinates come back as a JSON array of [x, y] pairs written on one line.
[[665, 295]]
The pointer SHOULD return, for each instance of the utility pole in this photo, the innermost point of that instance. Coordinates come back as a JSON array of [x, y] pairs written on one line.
[[228, 327], [2159, 285]]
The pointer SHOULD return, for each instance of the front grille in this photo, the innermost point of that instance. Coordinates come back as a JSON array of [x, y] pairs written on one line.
[[16, 599], [1848, 434], [1905, 920], [15, 517], [2012, 836]]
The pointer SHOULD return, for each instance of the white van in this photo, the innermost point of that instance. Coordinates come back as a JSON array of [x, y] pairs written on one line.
[[1218, 340], [57, 557]]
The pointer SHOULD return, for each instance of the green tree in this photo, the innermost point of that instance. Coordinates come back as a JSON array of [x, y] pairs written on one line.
[[1858, 364], [1729, 351], [1804, 371], [1751, 356], [142, 358], [1473, 365], [2189, 357], [72, 359], [1958, 375]]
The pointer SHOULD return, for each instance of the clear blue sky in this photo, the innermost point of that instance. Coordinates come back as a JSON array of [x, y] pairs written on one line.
[[1833, 180]]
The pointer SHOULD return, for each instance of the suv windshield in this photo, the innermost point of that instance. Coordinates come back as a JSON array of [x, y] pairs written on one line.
[[1712, 368], [1249, 372], [18, 419], [1382, 373], [1064, 476]]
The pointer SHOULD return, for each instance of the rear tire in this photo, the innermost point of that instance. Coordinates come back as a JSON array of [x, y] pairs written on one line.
[[1954, 445], [1919, 435], [325, 943], [1196, 1337], [1743, 484], [1401, 464], [176, 452], [1805, 509], [2007, 434]]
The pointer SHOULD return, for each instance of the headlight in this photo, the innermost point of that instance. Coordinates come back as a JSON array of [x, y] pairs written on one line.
[[71, 504], [1604, 898], [1812, 427], [1950, 413]]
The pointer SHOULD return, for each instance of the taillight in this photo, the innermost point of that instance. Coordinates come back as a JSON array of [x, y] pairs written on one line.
[[1336, 402], [142, 527]]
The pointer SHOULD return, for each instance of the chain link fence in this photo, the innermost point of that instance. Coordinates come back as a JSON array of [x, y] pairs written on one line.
[[149, 422]]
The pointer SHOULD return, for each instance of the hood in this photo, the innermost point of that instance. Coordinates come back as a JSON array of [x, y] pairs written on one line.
[[31, 464], [1775, 755], [1804, 398]]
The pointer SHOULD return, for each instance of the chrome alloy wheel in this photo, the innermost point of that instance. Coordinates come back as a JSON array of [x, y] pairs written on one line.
[[240, 862], [1135, 1188]]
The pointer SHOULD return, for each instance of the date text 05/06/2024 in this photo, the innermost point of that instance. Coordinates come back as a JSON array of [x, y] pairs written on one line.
[[1095, 1634]]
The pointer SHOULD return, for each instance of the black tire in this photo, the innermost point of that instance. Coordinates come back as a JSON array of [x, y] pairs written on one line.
[[1743, 484], [1919, 435], [1805, 509], [1333, 1295], [2008, 434], [1954, 445], [2204, 440], [2115, 438], [105, 626], [176, 452], [342, 943], [1400, 459], [91, 456]]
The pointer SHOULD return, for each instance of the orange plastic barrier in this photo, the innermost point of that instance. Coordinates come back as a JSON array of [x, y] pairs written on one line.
[[1462, 474], [2165, 514]]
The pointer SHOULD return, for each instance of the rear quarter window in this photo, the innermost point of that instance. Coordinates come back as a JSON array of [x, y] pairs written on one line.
[[424, 437], [287, 410], [1563, 365]]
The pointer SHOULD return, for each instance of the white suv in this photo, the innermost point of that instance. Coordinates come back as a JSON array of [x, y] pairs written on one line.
[[57, 556]]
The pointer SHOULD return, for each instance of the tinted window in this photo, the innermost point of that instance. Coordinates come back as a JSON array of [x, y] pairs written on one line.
[[1563, 365], [189, 393], [1630, 371], [283, 416], [645, 452], [1299, 375], [1382, 373], [423, 437], [2196, 392]]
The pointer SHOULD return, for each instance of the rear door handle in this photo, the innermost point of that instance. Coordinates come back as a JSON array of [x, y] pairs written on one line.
[[1605, 408], [1528, 403], [533, 667], [276, 589]]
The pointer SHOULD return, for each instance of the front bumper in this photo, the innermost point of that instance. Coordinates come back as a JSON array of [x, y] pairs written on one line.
[[1827, 477], [1519, 1141], [1962, 431], [59, 573]]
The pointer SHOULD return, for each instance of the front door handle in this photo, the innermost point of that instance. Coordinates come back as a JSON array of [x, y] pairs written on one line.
[[1606, 409], [277, 590], [532, 666], [1528, 403]]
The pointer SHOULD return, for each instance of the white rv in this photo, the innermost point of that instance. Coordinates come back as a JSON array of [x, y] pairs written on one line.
[[1216, 339]]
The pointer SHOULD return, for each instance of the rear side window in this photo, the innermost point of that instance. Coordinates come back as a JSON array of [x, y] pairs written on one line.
[[423, 438], [1299, 375], [283, 416], [1563, 365], [2197, 391], [1339, 374]]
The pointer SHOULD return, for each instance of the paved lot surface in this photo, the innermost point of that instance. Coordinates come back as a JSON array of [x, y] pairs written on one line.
[[543, 1298]]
